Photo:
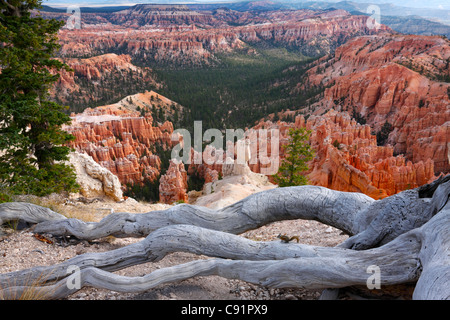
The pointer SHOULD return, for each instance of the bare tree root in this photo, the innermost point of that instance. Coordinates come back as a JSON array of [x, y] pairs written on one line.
[[303, 202], [398, 261], [166, 240], [406, 236]]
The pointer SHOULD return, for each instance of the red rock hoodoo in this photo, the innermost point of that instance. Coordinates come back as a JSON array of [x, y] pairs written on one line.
[[122, 140]]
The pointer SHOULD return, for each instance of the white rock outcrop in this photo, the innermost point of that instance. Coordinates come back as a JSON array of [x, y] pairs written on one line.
[[95, 180], [238, 182]]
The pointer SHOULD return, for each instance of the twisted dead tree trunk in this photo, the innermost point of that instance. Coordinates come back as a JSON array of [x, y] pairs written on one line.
[[407, 236], [306, 202]]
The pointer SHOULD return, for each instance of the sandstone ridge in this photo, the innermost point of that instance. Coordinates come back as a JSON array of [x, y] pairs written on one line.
[[95, 180], [349, 159], [393, 83], [123, 140], [192, 37]]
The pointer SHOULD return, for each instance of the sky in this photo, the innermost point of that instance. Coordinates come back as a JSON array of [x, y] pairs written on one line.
[[92, 3], [442, 4]]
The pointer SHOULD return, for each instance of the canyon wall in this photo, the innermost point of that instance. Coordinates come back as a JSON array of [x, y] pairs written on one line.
[[185, 36], [380, 126], [173, 184], [347, 157], [123, 140], [396, 84], [99, 79]]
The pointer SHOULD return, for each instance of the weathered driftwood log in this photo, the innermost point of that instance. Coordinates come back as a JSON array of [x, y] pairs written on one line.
[[405, 259], [305, 202], [352, 213], [408, 235], [178, 238], [27, 212]]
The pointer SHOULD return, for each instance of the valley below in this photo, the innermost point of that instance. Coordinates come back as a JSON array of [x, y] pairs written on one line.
[[147, 79], [377, 101]]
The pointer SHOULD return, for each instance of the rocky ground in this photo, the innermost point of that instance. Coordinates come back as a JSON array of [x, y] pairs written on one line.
[[19, 249]]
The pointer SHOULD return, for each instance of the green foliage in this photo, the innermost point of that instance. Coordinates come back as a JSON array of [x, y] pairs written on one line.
[[149, 191], [421, 103], [5, 197], [31, 138], [43, 181], [195, 182], [239, 89], [383, 134], [298, 152], [358, 117], [336, 144], [216, 93], [442, 76], [110, 88]]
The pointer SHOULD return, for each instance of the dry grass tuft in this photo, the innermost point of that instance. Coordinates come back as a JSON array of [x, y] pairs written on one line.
[[32, 290]]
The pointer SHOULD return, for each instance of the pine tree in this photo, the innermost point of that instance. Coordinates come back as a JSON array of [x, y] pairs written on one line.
[[298, 152], [31, 139]]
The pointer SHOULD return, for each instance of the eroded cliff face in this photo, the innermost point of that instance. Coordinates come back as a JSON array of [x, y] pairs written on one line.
[[186, 36], [173, 184], [394, 83], [390, 82], [93, 79], [122, 139], [349, 159], [95, 180], [163, 15]]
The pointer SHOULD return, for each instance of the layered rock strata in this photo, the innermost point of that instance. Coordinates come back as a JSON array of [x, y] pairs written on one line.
[[349, 159], [396, 84], [95, 180], [173, 184], [121, 140], [312, 32]]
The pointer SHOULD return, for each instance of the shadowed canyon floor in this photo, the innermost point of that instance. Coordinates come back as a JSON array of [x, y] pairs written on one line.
[[377, 104], [22, 250], [379, 100]]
